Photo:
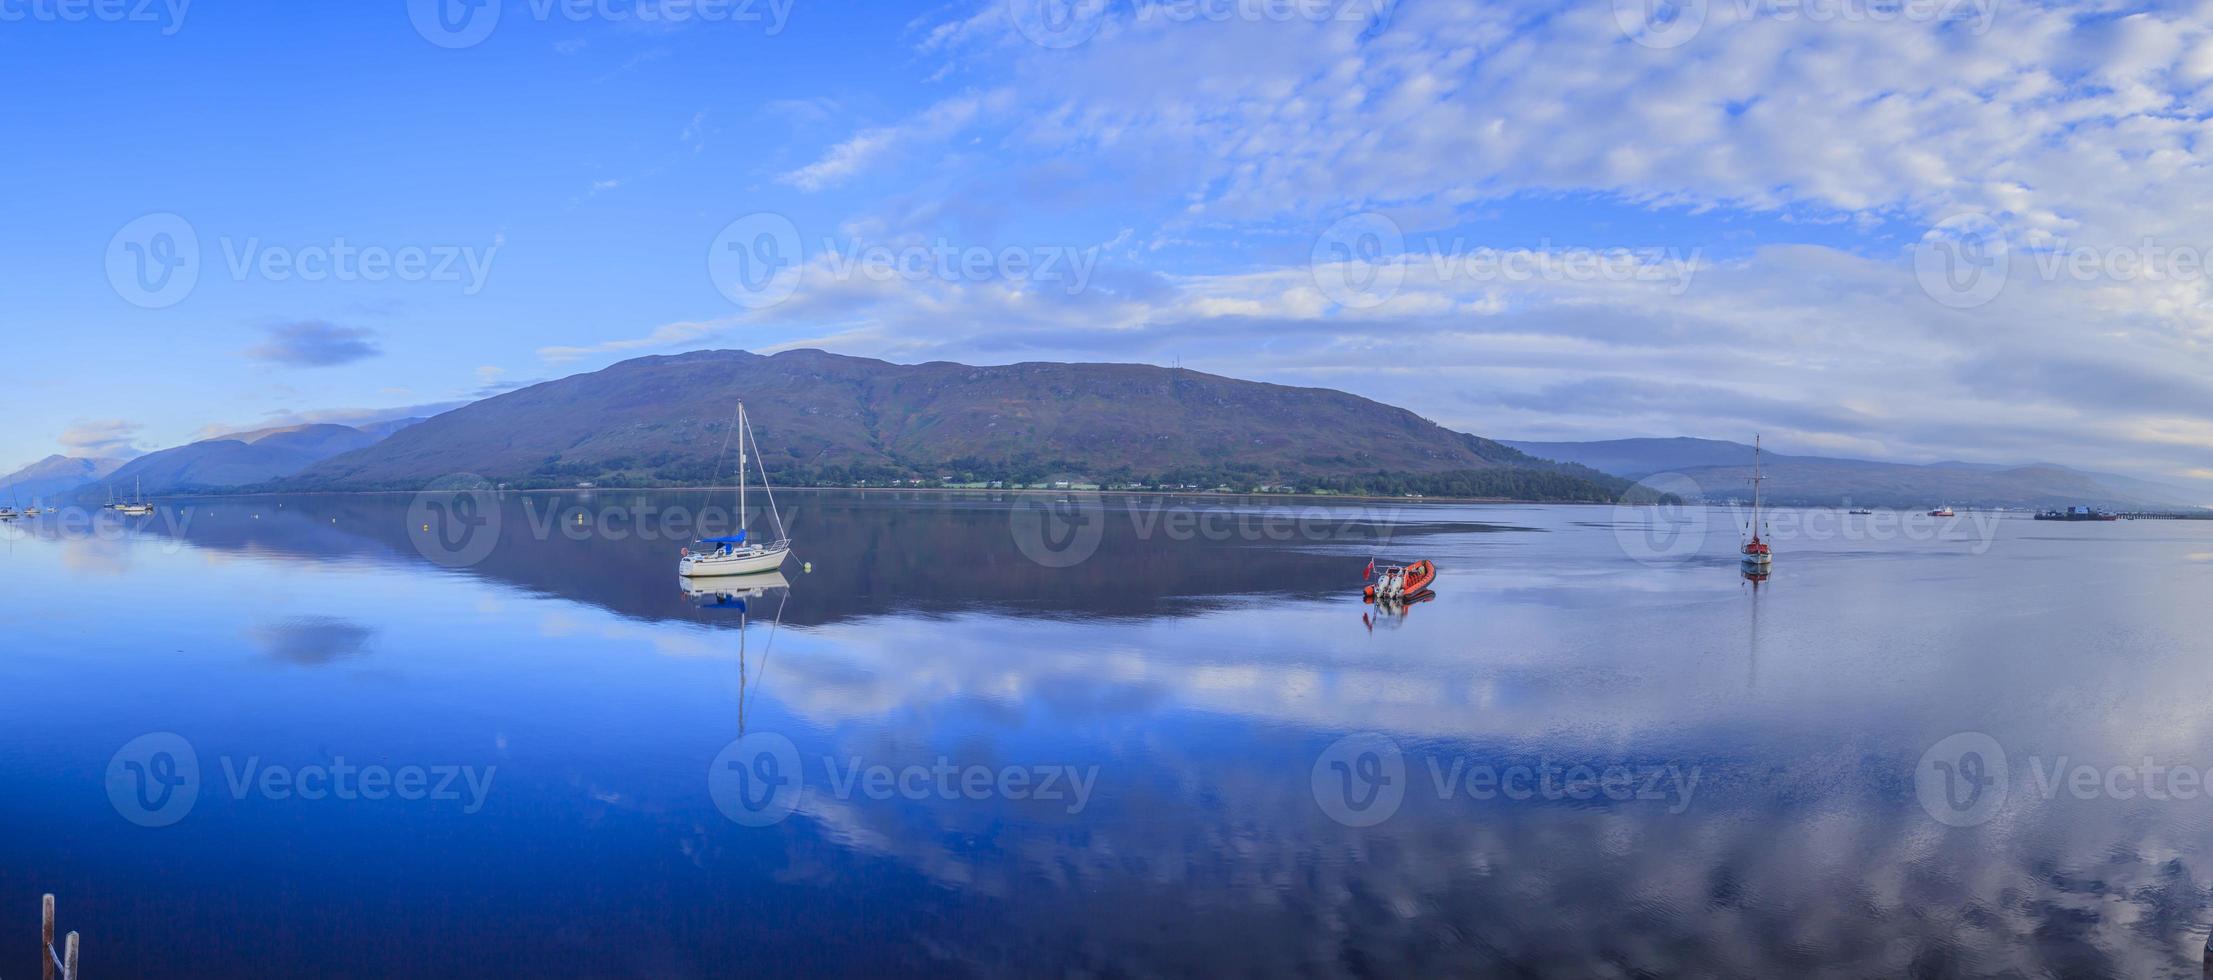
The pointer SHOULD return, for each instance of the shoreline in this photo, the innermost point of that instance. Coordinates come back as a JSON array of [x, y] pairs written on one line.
[[1314, 498], [1319, 499]]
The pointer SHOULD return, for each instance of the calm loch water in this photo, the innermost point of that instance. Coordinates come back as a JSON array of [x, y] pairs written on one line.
[[378, 736]]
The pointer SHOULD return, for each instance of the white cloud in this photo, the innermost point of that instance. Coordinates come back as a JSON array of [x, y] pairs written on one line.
[[667, 336], [694, 134], [2055, 116], [102, 439], [2072, 129], [866, 147]]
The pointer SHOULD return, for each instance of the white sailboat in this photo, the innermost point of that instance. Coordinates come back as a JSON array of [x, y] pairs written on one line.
[[737, 553], [138, 507]]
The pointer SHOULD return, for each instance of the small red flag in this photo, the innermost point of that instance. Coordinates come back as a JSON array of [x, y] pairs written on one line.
[[1369, 572]]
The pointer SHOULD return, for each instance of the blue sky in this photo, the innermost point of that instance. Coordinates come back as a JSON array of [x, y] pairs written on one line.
[[1183, 182]]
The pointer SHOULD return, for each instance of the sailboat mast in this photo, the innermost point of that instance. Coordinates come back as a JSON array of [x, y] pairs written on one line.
[[1756, 487], [741, 465]]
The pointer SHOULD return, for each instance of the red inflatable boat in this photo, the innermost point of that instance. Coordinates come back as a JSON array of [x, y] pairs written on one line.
[[1398, 582]]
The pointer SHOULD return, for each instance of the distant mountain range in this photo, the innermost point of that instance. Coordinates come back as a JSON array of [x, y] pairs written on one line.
[[1723, 468], [828, 419], [52, 478], [239, 460]]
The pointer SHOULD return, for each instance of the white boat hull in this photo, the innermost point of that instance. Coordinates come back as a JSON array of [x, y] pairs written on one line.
[[740, 562]]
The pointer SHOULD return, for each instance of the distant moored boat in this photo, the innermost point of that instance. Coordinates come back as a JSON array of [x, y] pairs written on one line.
[[2077, 514], [1758, 557], [138, 507]]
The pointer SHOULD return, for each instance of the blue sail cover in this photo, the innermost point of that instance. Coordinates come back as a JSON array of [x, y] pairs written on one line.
[[738, 538]]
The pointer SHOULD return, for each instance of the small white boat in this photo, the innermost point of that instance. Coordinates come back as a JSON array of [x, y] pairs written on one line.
[[138, 507], [8, 514], [738, 553]]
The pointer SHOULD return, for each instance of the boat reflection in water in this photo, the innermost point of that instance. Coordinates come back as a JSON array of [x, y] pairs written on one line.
[[731, 591], [741, 594], [1392, 612]]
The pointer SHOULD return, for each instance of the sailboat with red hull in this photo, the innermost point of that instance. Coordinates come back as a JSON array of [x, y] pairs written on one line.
[[1759, 558]]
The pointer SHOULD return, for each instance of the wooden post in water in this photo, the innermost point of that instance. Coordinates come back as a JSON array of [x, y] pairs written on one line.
[[69, 959], [46, 938]]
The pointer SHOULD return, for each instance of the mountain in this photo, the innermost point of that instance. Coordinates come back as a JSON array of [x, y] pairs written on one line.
[[383, 430], [375, 430], [55, 476], [1722, 469], [245, 459], [1636, 459], [830, 419]]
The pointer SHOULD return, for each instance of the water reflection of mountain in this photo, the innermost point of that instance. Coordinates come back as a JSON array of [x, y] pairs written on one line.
[[871, 554]]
